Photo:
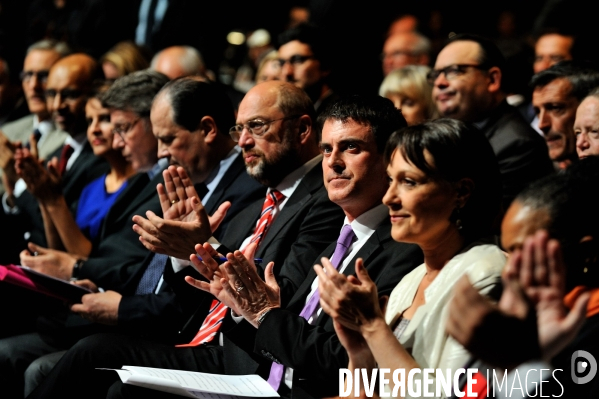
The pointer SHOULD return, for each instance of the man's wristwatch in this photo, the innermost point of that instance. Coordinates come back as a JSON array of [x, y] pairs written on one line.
[[76, 268]]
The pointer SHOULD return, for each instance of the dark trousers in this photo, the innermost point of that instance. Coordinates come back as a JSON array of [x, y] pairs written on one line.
[[76, 373]]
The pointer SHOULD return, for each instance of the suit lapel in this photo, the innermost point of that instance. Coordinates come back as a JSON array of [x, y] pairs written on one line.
[[310, 183], [229, 177]]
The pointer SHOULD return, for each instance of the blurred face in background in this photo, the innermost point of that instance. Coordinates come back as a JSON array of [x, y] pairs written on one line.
[[551, 49], [35, 76], [99, 129]]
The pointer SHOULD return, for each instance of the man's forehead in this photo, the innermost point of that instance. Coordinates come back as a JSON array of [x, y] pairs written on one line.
[[346, 130], [557, 90], [458, 52], [554, 43], [73, 76], [295, 47]]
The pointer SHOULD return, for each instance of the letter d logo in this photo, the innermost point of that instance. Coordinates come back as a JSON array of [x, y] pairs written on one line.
[[579, 366]]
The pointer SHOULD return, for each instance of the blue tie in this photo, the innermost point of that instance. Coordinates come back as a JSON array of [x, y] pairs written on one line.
[[36, 134], [152, 275]]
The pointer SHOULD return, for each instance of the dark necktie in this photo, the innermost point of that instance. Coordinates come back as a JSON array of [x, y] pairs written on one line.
[[66, 153], [149, 280], [343, 243]]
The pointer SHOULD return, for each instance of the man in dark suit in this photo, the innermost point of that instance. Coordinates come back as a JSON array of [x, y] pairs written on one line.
[[69, 83], [467, 83], [117, 253], [354, 173]]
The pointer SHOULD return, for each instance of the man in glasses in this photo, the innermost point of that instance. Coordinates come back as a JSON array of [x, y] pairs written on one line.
[[40, 57], [304, 62], [467, 85]]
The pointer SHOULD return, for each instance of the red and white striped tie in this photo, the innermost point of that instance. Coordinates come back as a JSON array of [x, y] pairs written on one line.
[[218, 310]]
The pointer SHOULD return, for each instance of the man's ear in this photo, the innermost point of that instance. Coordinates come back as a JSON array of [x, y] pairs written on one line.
[[494, 80], [306, 130], [208, 129]]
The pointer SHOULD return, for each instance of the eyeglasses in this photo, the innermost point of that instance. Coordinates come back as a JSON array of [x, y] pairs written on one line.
[[450, 72], [295, 60], [65, 94], [41, 76], [123, 128], [256, 127]]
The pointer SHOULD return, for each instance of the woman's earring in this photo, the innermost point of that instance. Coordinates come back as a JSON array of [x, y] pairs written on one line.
[[458, 220]]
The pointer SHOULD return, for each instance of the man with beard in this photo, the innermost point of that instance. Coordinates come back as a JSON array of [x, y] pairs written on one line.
[[557, 92], [291, 227]]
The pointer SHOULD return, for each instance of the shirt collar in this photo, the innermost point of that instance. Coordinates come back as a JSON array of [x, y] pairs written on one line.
[[369, 221], [288, 185]]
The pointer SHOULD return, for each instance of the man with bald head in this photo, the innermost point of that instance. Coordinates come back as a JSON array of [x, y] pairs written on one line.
[[68, 85], [277, 135], [467, 86], [405, 48]]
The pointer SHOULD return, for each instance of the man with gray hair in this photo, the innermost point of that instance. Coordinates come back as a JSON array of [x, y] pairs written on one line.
[[40, 57], [405, 48], [557, 92]]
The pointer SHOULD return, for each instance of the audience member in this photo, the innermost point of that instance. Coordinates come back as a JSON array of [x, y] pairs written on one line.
[[586, 125], [552, 47], [230, 358], [68, 86], [177, 61], [76, 233], [410, 92], [444, 195], [268, 68], [468, 86], [122, 59], [405, 48], [303, 60], [559, 209], [557, 92], [40, 57]]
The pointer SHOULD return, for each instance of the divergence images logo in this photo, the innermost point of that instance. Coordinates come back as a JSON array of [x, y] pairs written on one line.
[[581, 363]]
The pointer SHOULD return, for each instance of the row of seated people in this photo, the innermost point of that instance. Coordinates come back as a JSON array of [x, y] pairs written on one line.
[[278, 138]]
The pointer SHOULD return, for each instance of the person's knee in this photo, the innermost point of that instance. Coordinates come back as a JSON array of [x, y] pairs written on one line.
[[39, 369]]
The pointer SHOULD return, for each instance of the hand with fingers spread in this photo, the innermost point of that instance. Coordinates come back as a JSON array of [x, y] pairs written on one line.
[[530, 319], [185, 221], [43, 183], [350, 301], [250, 295]]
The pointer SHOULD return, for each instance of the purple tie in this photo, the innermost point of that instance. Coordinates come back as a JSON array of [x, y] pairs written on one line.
[[343, 243]]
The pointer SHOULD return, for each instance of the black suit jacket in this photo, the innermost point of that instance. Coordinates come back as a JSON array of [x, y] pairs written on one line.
[[521, 152], [164, 313], [306, 225], [313, 350], [29, 222]]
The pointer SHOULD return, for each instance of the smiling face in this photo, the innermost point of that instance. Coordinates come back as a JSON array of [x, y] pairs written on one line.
[[465, 96], [586, 127], [420, 206], [555, 107], [65, 96], [354, 171], [99, 128]]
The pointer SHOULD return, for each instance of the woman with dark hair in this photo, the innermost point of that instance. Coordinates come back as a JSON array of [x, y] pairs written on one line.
[[444, 195]]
